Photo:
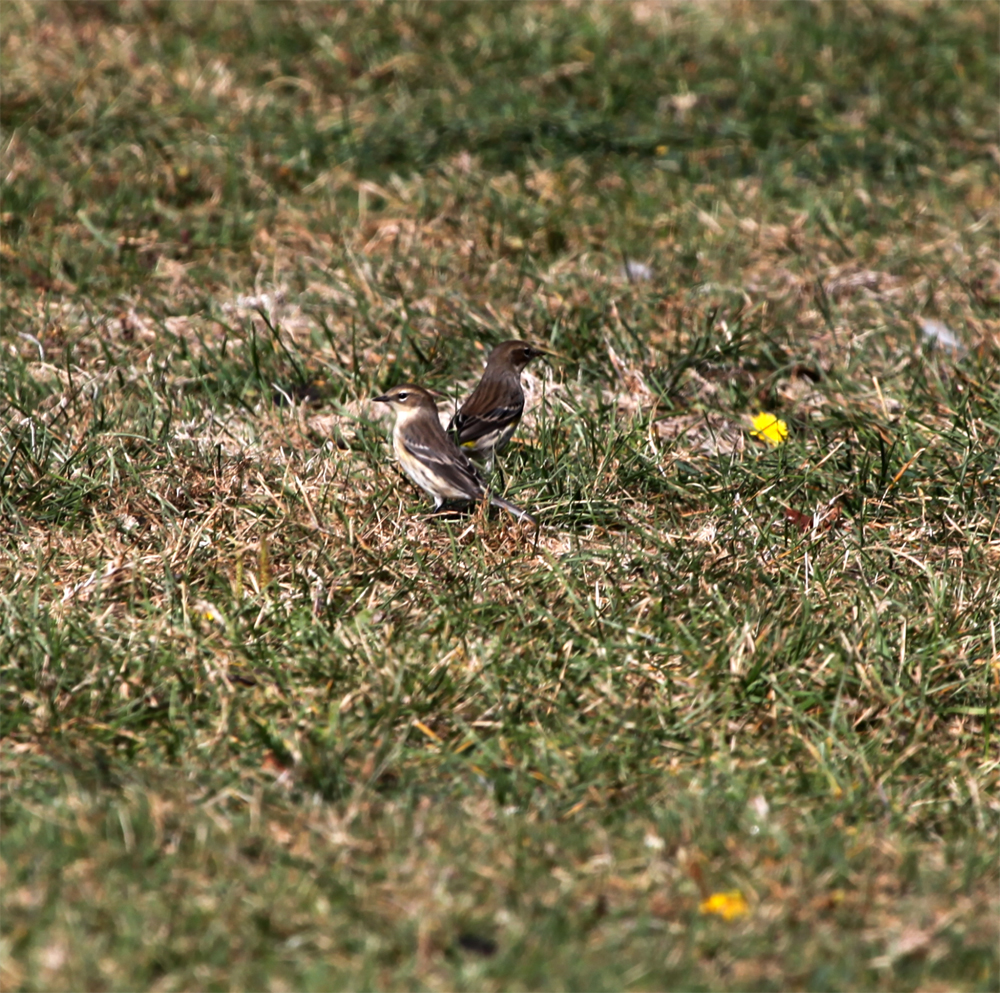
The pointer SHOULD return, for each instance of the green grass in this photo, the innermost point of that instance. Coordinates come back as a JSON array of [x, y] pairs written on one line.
[[268, 725]]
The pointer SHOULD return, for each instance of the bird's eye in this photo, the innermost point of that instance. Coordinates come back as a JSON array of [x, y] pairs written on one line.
[[402, 396]]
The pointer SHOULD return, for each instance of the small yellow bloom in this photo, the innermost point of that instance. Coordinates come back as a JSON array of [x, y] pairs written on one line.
[[209, 613], [661, 149], [727, 905], [769, 428]]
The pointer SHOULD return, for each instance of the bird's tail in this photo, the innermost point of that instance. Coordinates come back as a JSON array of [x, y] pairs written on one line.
[[521, 515]]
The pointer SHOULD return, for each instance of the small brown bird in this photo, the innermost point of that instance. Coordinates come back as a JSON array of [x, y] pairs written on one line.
[[483, 425], [430, 458]]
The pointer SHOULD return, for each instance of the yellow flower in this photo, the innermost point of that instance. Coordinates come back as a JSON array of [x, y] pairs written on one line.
[[726, 905], [769, 428], [206, 611], [661, 149]]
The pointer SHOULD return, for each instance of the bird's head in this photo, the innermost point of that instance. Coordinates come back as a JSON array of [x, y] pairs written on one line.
[[516, 353], [408, 399]]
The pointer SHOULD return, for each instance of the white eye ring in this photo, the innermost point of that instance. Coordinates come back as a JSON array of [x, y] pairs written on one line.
[[402, 396]]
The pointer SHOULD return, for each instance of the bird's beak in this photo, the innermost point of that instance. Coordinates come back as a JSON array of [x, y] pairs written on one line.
[[384, 398]]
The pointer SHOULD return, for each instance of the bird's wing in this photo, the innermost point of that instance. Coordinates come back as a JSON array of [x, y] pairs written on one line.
[[469, 427], [450, 463]]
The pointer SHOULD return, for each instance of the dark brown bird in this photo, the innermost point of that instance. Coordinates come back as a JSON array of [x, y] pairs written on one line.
[[483, 425]]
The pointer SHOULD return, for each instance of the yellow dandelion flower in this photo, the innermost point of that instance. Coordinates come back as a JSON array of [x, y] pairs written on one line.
[[727, 905], [769, 428], [205, 611]]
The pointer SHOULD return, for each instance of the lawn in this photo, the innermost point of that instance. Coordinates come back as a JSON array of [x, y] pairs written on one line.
[[726, 720]]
